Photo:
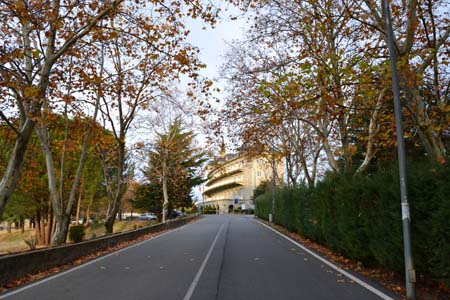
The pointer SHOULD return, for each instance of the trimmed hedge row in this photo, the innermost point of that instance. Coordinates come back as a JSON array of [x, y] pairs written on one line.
[[361, 216]]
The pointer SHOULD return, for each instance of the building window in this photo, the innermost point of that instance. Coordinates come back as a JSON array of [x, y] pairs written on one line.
[[259, 173]]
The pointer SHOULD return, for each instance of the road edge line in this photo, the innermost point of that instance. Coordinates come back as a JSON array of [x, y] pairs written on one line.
[[44, 280], [330, 264], [194, 283]]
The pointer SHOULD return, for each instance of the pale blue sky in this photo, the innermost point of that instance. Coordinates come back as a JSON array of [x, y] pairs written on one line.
[[212, 42]]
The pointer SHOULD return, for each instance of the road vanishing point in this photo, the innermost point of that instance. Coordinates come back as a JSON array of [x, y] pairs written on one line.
[[226, 257]]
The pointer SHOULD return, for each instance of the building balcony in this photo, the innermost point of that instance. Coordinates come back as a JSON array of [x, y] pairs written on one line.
[[221, 188], [222, 176]]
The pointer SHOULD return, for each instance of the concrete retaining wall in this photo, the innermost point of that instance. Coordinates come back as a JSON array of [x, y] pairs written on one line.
[[16, 266]]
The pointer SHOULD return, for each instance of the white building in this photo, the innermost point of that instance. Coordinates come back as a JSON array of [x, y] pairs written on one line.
[[232, 179]]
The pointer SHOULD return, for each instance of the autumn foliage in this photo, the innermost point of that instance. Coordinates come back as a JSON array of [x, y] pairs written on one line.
[[312, 79], [93, 62]]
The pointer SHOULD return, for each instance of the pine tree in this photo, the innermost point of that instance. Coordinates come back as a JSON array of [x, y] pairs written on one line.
[[173, 165]]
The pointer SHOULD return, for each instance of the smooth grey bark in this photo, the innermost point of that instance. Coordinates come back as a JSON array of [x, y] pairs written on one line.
[[373, 130], [12, 173], [164, 181]]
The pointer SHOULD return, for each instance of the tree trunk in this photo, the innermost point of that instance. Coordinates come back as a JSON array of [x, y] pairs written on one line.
[[49, 223], [165, 194], [12, 173], [109, 225], [115, 198], [22, 225], [430, 139], [77, 215], [61, 230], [40, 240], [51, 228], [326, 146], [373, 130], [87, 213], [62, 207]]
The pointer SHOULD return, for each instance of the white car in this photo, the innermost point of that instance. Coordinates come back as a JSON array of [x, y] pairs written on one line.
[[148, 216]]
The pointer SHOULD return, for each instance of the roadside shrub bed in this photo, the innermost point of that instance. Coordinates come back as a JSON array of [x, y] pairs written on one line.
[[76, 233], [209, 210], [360, 216]]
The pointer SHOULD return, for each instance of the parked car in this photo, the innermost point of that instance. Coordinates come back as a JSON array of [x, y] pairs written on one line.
[[131, 217], [173, 214], [91, 221], [181, 213], [148, 216]]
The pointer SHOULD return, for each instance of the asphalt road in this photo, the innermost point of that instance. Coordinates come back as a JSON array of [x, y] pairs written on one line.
[[219, 257]]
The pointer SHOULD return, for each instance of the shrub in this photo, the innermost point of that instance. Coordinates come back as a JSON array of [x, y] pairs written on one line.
[[76, 233], [209, 210], [31, 242]]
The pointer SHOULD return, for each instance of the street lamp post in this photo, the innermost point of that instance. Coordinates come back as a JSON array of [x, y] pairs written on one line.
[[410, 276]]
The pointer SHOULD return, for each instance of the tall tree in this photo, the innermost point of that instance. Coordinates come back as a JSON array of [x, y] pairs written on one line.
[[173, 165], [422, 32], [320, 66], [36, 36], [145, 53]]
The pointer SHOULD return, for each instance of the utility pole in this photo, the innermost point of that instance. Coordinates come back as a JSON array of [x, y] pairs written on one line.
[[410, 275], [272, 212]]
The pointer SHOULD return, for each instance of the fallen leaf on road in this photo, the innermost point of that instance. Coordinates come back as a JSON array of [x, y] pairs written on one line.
[[102, 268], [426, 288], [161, 268], [341, 281]]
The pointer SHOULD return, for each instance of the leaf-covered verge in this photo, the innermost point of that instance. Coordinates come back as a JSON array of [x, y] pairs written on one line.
[[359, 217]]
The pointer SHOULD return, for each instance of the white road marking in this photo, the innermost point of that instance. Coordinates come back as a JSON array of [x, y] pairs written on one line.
[[330, 264], [6, 295], [194, 283]]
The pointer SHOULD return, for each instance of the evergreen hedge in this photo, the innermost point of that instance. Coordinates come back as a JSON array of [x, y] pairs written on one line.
[[360, 216]]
